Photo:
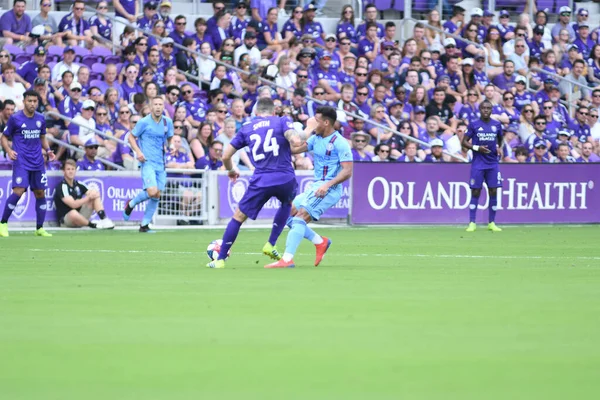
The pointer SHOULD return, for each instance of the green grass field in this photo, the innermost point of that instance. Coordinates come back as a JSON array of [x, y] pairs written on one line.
[[412, 313]]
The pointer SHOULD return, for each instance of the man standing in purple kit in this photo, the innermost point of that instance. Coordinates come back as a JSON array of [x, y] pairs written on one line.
[[484, 137], [268, 138], [27, 130]]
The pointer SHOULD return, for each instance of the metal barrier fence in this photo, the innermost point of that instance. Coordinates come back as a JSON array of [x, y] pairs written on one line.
[[185, 197]]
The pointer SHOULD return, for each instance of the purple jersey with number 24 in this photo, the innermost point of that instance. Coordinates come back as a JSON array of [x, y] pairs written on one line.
[[269, 149]]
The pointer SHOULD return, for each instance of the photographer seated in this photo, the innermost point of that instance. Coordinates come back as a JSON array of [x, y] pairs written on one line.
[[75, 203]]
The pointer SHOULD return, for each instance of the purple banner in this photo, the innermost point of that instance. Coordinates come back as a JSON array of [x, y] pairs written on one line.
[[114, 191], [230, 195], [440, 194]]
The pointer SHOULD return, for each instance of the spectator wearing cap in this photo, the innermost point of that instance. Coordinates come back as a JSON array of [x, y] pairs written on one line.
[[581, 18], [454, 24], [360, 140], [571, 91], [382, 59], [166, 58], [178, 35], [583, 42], [522, 96], [88, 162], [564, 22], [327, 77], [67, 64], [566, 64], [312, 27], [75, 26], [507, 32], [28, 71], [509, 139], [370, 17], [539, 156], [164, 12], [563, 137], [437, 152], [476, 19], [201, 36], [48, 24], [81, 129], [70, 106], [248, 47], [331, 49], [15, 24], [150, 15], [536, 45], [10, 89], [100, 26]]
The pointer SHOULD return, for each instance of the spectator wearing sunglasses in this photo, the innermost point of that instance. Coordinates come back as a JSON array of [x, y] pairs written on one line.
[[239, 21], [48, 22], [382, 153], [77, 28], [360, 140], [149, 17], [564, 22]]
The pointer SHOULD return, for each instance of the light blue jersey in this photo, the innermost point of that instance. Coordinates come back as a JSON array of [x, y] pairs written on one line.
[[151, 137], [328, 153]]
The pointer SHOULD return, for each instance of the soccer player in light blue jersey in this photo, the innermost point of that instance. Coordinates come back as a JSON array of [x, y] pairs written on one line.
[[151, 132], [333, 165]]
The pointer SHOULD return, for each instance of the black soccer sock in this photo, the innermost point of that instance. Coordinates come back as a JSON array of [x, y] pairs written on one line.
[[101, 214], [92, 225]]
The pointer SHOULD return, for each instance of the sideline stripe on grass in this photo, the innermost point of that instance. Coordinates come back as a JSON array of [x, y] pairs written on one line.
[[512, 257]]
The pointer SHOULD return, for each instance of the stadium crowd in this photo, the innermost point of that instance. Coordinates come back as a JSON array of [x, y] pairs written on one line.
[[427, 87]]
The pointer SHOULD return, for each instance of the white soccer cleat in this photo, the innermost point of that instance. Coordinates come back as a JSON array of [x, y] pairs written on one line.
[[105, 223]]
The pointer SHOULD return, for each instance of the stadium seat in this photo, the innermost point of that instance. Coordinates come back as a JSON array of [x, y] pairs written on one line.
[[55, 50], [80, 52], [13, 50], [399, 5], [90, 60], [112, 59], [119, 67], [95, 82], [96, 76], [102, 52], [22, 58], [98, 68], [51, 64], [384, 4], [16, 64], [30, 49]]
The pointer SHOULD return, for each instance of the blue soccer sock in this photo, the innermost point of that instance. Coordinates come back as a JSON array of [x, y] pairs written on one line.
[[231, 232], [289, 222], [493, 207], [150, 210], [9, 207], [294, 238], [473, 208], [40, 212], [312, 236], [279, 222], [140, 198]]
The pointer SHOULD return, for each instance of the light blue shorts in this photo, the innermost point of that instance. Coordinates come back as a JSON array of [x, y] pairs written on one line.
[[316, 206], [154, 177]]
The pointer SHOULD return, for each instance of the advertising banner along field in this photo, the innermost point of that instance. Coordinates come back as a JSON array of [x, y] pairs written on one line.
[[394, 193]]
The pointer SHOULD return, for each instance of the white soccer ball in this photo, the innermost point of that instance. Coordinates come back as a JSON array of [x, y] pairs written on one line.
[[214, 248]]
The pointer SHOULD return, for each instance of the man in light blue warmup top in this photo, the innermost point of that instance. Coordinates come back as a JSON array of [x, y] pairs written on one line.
[[151, 132], [333, 165]]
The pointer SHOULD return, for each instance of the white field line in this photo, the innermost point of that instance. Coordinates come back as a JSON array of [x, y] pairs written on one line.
[[526, 257]]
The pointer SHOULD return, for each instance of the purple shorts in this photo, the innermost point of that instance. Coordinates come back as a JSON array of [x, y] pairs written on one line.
[[491, 176], [36, 180], [256, 197]]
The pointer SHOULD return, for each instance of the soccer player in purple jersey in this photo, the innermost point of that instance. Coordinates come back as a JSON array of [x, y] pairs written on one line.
[[484, 137], [268, 138], [27, 130]]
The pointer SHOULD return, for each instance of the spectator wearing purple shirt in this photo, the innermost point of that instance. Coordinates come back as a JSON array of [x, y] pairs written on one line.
[[370, 16], [201, 36], [15, 24], [260, 9], [370, 45], [312, 27], [101, 26], [129, 87], [455, 22], [360, 140], [211, 161], [239, 21], [29, 70], [345, 28], [579, 126], [110, 80], [507, 32], [78, 28], [506, 80], [587, 154], [179, 33], [539, 155], [150, 15], [89, 162], [583, 41]]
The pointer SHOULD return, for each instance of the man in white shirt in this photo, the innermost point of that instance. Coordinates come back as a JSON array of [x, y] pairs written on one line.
[[249, 47], [10, 88], [66, 64], [82, 128]]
